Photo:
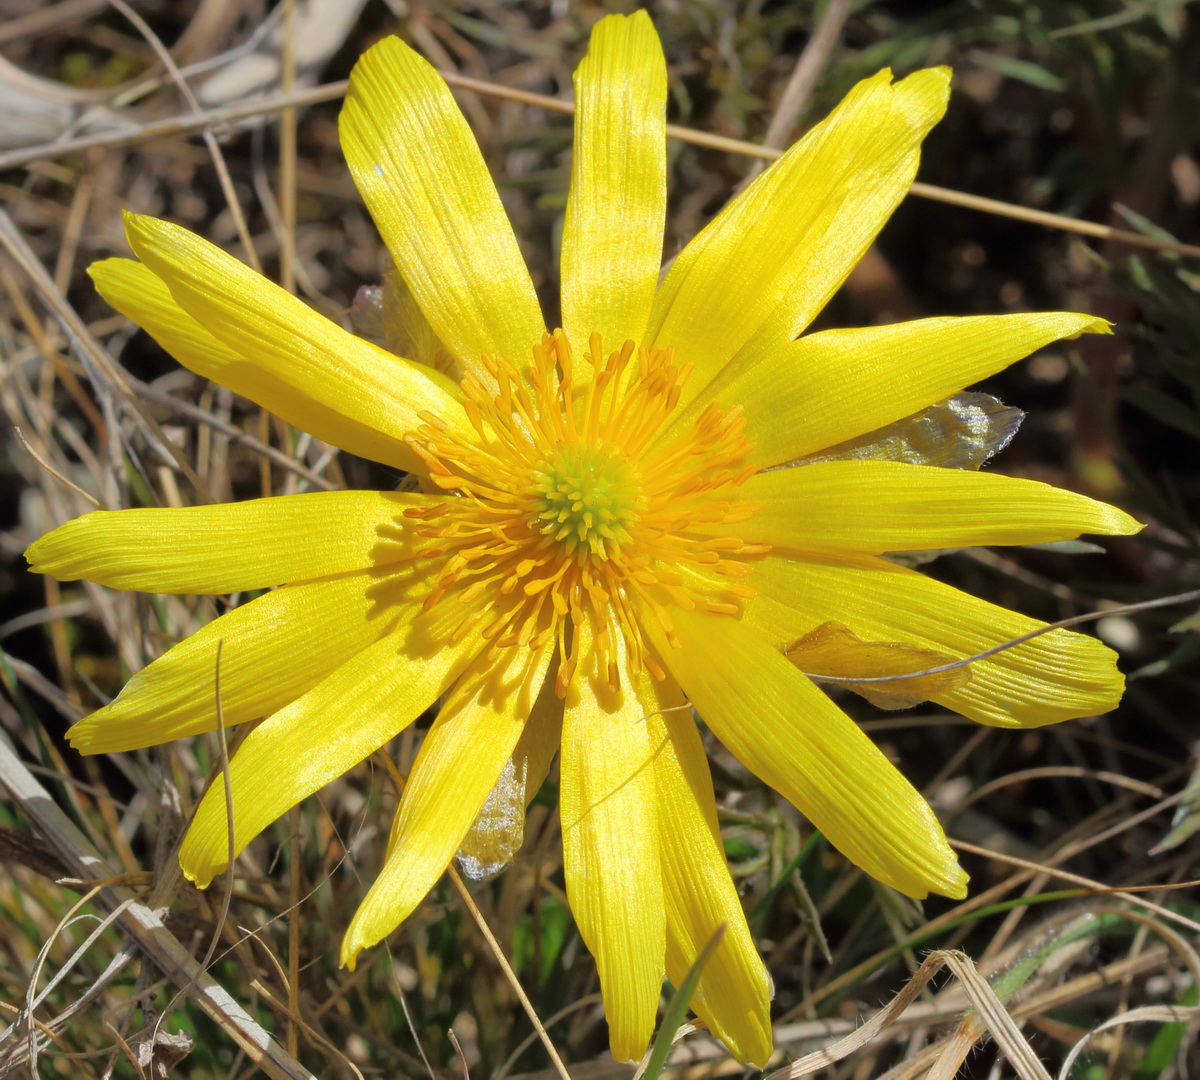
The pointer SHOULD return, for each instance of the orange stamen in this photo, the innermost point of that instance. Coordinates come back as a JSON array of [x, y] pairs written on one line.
[[569, 511]]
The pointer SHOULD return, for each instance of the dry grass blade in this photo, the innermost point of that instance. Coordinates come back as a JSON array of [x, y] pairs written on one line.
[[510, 975], [210, 140], [18, 248], [33, 999], [1152, 1013], [66, 481], [995, 1018], [214, 118], [803, 80], [1088, 883], [144, 926], [47, 17], [309, 1031], [1162, 1014], [923, 1013], [991, 1011], [187, 124], [230, 431]]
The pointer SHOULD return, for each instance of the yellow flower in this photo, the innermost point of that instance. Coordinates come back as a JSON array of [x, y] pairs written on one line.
[[601, 534]]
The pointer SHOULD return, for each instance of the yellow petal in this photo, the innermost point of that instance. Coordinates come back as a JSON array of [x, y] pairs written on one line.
[[756, 276], [407, 332], [837, 653], [143, 298], [421, 174], [231, 547], [734, 994], [613, 232], [835, 385], [350, 714], [877, 506], [460, 758], [276, 648], [611, 856], [1054, 677], [498, 830], [541, 737], [791, 736], [314, 358]]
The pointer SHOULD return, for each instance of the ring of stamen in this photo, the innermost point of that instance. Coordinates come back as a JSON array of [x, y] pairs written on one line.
[[569, 510]]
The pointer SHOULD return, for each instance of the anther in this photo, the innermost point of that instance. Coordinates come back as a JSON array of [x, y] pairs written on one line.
[[571, 511]]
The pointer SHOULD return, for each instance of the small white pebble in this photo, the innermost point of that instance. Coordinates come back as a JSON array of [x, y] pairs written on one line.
[[1119, 632], [406, 976], [357, 1049]]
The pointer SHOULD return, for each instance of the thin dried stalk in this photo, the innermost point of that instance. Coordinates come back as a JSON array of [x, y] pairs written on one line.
[[213, 118], [143, 924], [995, 1019]]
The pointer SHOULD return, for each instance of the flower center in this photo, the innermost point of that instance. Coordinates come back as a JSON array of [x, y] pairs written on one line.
[[586, 498], [572, 507]]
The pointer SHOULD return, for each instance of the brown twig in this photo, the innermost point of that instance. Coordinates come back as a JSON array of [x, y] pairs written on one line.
[[18, 248], [231, 114], [812, 62], [143, 924]]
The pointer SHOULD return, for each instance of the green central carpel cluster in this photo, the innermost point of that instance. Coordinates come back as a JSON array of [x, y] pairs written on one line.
[[586, 498], [575, 509]]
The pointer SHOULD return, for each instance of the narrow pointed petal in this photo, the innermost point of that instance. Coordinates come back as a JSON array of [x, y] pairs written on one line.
[[347, 716], [609, 807], [759, 273], [1053, 677], [838, 384], [231, 547], [460, 758], [420, 172], [616, 212], [875, 506], [792, 737], [313, 359], [498, 831], [734, 994], [143, 298], [541, 737], [270, 656]]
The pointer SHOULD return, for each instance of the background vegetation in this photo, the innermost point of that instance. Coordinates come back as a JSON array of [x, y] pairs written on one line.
[[1087, 109]]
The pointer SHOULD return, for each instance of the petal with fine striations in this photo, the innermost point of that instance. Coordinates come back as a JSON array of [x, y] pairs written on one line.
[[835, 385], [757, 275], [833, 507], [734, 993], [231, 547], [609, 808], [616, 211], [271, 654], [314, 358], [460, 758], [347, 716], [1056, 676], [143, 298], [792, 737], [420, 172]]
